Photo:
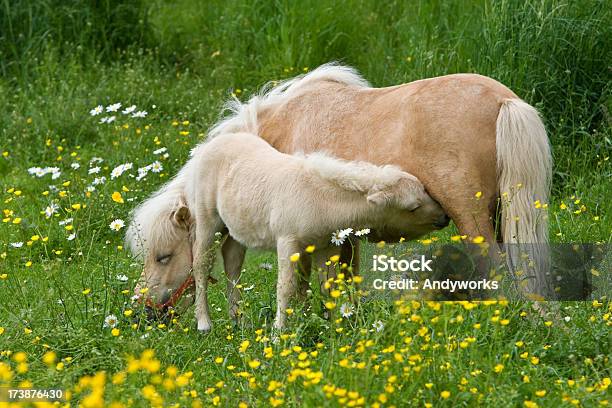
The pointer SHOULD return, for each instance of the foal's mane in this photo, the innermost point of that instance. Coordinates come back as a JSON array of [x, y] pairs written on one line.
[[151, 225], [241, 116]]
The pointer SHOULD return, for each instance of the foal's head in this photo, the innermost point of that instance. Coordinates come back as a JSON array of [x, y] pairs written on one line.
[[410, 211], [160, 234]]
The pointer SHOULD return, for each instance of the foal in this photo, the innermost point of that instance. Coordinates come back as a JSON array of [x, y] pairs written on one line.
[[267, 199]]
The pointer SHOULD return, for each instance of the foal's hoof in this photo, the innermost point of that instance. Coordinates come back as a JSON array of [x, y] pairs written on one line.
[[204, 328]]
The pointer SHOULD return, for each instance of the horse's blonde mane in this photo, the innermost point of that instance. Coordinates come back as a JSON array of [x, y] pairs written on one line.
[[352, 175], [243, 116]]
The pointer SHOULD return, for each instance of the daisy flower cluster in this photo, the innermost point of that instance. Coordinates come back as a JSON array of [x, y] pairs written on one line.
[[114, 109]]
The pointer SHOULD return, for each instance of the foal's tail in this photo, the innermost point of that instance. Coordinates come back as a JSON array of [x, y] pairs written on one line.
[[524, 171]]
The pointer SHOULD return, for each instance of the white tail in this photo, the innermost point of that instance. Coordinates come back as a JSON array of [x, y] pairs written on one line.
[[524, 171]]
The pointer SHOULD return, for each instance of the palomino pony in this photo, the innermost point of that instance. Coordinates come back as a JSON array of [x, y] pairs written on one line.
[[269, 200], [478, 149]]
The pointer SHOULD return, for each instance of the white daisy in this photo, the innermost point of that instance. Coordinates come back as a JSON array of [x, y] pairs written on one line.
[[129, 110], [114, 107], [362, 232], [96, 111], [110, 119], [266, 266], [122, 278], [51, 209], [71, 237], [337, 239], [140, 114], [142, 172], [156, 167], [346, 310], [96, 160], [111, 321], [66, 221], [119, 170], [98, 181], [93, 170], [16, 244], [117, 224], [345, 232], [160, 151], [75, 166], [378, 325]]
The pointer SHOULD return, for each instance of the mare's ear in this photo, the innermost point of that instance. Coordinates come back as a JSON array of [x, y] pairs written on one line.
[[181, 216]]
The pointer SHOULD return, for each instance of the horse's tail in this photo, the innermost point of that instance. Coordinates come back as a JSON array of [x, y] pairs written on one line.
[[524, 171]]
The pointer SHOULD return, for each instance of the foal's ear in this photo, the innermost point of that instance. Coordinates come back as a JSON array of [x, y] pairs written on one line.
[[181, 217], [378, 198]]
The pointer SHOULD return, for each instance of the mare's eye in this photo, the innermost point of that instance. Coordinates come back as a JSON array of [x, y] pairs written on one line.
[[164, 259]]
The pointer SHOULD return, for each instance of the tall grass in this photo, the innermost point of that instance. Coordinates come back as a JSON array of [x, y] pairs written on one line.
[[554, 54]]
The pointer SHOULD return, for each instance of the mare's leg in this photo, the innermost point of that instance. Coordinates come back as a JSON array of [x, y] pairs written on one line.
[[233, 258], [287, 279]]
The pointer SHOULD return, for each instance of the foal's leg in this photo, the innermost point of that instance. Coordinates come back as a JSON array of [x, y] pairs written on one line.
[[233, 258], [204, 260], [287, 279]]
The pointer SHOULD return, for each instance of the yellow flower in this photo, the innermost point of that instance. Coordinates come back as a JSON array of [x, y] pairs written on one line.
[[289, 311], [59, 366], [49, 358], [115, 332], [117, 197], [445, 394], [295, 257], [535, 360], [310, 249], [86, 291], [335, 293], [330, 305], [254, 363], [334, 258], [244, 345], [478, 240], [20, 357], [540, 393], [478, 194], [498, 368]]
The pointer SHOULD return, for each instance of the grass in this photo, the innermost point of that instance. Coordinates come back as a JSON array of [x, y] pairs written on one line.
[[179, 62]]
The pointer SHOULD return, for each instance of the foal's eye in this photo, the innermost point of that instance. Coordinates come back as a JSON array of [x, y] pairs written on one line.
[[164, 259]]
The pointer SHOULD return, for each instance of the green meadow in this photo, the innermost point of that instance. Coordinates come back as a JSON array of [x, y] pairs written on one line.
[[68, 181]]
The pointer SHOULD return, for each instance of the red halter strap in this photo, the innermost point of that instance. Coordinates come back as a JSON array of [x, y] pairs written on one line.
[[178, 293]]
